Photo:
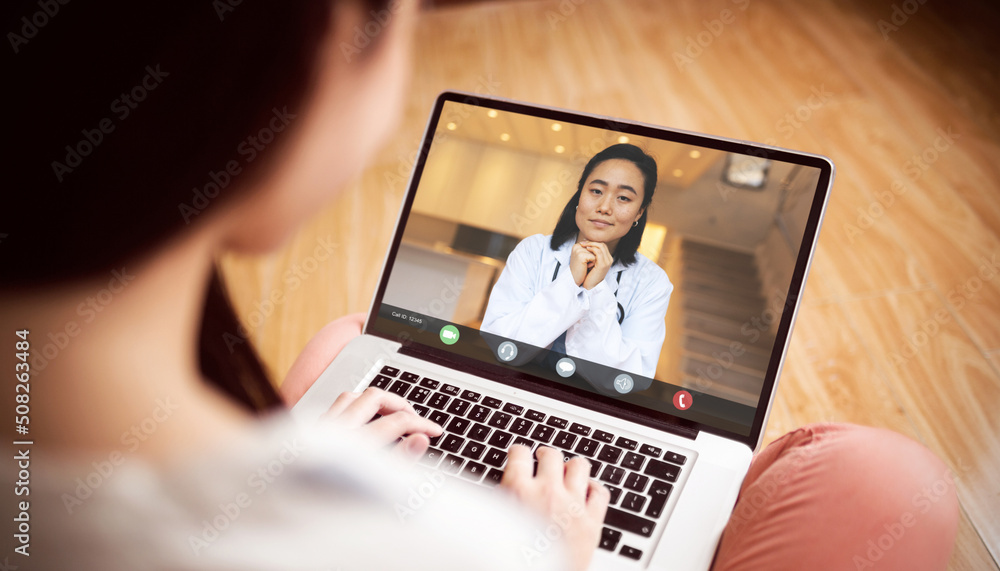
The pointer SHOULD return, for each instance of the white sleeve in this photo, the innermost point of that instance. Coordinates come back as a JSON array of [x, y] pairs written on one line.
[[636, 343], [517, 311]]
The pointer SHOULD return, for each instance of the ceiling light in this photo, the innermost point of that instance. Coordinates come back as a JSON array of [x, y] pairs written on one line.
[[678, 173], [694, 154], [492, 113], [623, 139], [452, 126], [556, 127], [560, 148], [504, 137]]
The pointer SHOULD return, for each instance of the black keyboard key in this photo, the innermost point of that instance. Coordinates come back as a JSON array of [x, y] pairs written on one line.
[[435, 439], [659, 493], [557, 422], [628, 522], [615, 494], [534, 415], [389, 371], [521, 426], [577, 428], [410, 377], [524, 442], [419, 394], [610, 454], [479, 413], [633, 461], [653, 451], [499, 420], [474, 450], [493, 477], [470, 395], [473, 471], [676, 458], [438, 401], [452, 464], [610, 538], [421, 409], [662, 470], [636, 482], [501, 439], [626, 443], [458, 425], [429, 383], [452, 443], [630, 552], [431, 457], [451, 390], [458, 406], [604, 436], [400, 388], [543, 433], [595, 468], [613, 474], [564, 440], [492, 402], [438, 417], [567, 456], [479, 432], [514, 409], [634, 502], [495, 457], [381, 382], [587, 447]]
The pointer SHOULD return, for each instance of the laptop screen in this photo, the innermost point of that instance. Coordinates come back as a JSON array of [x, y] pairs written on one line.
[[648, 272]]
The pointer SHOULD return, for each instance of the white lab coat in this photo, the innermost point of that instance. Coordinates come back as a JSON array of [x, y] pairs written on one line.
[[527, 305]]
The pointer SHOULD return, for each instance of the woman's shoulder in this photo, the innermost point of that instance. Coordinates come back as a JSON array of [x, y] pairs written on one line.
[[533, 246]]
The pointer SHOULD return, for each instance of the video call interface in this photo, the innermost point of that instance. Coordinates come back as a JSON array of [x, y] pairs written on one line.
[[541, 245]]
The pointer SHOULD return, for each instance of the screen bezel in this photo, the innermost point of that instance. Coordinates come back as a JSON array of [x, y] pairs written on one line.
[[594, 401]]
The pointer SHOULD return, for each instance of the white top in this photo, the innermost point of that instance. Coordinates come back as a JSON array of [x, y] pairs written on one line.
[[283, 497], [528, 305]]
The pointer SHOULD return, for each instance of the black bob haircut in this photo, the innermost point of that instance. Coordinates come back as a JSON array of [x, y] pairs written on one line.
[[566, 227]]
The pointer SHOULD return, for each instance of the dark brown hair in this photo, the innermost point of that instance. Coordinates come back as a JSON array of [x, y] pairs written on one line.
[[123, 113]]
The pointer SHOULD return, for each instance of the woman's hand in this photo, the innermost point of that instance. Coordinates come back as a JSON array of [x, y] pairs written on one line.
[[602, 263], [581, 260], [356, 410], [563, 494]]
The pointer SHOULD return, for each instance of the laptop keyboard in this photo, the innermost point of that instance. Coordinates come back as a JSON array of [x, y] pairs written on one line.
[[479, 429]]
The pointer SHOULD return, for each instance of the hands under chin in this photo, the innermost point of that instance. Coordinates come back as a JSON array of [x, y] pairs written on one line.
[[589, 263], [399, 420]]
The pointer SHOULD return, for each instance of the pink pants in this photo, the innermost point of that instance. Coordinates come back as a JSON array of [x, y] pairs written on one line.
[[828, 496]]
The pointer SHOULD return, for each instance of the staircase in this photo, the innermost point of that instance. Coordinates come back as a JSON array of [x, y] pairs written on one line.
[[720, 293]]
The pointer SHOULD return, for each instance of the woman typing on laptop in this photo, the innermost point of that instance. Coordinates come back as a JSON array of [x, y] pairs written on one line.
[[149, 455]]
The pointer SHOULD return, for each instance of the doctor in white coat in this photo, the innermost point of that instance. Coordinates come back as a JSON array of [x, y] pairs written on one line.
[[586, 291]]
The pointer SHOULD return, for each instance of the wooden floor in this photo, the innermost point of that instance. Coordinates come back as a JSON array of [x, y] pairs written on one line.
[[901, 321]]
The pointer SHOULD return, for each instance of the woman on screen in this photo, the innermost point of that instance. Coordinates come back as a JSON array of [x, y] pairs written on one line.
[[585, 291]]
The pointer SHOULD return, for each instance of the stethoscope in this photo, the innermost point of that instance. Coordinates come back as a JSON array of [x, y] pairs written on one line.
[[618, 281]]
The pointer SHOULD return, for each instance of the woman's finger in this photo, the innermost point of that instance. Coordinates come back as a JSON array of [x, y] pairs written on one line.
[[400, 423], [519, 466], [412, 447], [371, 402], [550, 464], [343, 401], [577, 475], [597, 500]]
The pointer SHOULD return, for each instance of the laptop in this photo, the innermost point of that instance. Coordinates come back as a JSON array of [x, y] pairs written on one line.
[[666, 384]]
